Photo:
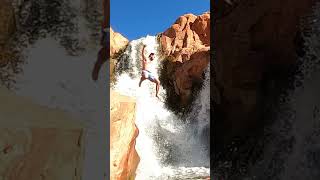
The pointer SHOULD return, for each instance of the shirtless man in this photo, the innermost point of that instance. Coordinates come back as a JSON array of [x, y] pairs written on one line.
[[146, 74]]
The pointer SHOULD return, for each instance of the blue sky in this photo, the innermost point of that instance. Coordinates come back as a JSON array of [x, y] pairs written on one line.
[[138, 18]]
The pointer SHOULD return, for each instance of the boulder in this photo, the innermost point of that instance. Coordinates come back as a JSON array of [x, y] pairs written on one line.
[[37, 142], [117, 43], [124, 158]]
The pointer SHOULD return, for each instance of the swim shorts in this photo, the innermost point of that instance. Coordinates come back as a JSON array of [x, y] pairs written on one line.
[[149, 75]]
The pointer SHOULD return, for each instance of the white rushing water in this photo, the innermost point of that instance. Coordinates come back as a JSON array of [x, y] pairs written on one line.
[[57, 72], [303, 160], [56, 80], [169, 147], [294, 149]]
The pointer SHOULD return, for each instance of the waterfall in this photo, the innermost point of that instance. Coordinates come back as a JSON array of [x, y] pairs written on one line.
[[59, 47], [169, 147], [303, 160], [293, 148]]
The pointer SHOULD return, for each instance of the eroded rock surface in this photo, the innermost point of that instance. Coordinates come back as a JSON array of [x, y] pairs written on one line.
[[186, 44], [124, 158], [117, 42], [256, 43], [38, 143]]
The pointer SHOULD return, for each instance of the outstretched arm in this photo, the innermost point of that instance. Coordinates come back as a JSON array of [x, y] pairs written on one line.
[[142, 53]]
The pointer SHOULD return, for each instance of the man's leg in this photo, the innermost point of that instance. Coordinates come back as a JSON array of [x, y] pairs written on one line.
[[141, 80], [157, 87], [157, 82]]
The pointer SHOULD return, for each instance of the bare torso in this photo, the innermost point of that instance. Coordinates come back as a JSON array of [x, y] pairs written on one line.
[[144, 60], [145, 64]]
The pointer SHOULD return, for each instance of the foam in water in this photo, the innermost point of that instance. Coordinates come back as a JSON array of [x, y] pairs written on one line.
[[168, 147]]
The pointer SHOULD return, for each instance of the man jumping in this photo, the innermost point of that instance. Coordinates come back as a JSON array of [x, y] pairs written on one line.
[[146, 74]]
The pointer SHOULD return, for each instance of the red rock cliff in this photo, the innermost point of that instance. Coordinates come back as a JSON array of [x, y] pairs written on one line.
[[187, 46], [117, 42], [38, 142], [254, 40], [124, 158]]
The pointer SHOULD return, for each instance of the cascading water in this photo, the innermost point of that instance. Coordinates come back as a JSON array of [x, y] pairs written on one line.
[[303, 161], [293, 150], [169, 147], [56, 80], [58, 55]]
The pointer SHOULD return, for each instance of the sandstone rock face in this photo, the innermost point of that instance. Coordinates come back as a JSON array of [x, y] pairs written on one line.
[[117, 42], [187, 45], [252, 39], [124, 159], [7, 21], [190, 72], [38, 143], [186, 36]]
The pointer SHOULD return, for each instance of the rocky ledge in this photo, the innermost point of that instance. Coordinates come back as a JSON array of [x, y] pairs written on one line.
[[124, 158]]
